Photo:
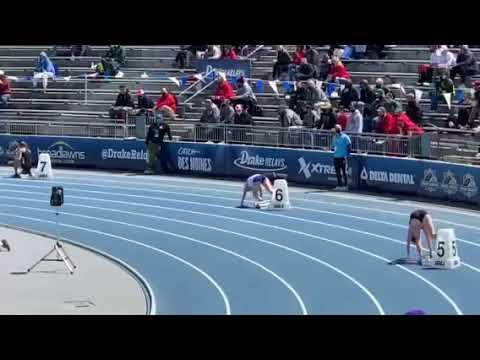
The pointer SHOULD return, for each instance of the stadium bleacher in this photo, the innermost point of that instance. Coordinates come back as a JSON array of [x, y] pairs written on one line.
[[70, 102]]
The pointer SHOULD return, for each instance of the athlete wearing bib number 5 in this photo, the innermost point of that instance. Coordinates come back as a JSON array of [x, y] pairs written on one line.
[[420, 220], [254, 184]]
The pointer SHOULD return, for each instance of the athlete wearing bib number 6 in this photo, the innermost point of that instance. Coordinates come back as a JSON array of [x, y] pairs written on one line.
[[254, 184], [420, 220]]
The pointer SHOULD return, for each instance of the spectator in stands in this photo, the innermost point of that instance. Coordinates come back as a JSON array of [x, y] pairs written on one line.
[[242, 117], [5, 91], [380, 84], [281, 65], [287, 117], [181, 59], [228, 53], [227, 112], [414, 110], [466, 66], [324, 67], [391, 104], [355, 122], [313, 58], [213, 52], [154, 142], [328, 120], [379, 100], [44, 70], [109, 67], [145, 105], [245, 96], [338, 71], [123, 104], [348, 95], [442, 61], [304, 98], [342, 146], [224, 91], [198, 51], [117, 53], [342, 117], [367, 97], [298, 55], [305, 71], [384, 123], [476, 103], [405, 126], [167, 104], [211, 114]]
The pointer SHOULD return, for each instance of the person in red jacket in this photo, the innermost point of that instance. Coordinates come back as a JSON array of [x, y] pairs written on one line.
[[228, 53], [405, 125], [338, 70], [167, 104], [224, 91], [299, 54], [343, 117], [385, 122], [5, 91]]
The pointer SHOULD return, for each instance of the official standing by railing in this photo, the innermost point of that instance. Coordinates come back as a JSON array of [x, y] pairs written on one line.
[[342, 146], [154, 141]]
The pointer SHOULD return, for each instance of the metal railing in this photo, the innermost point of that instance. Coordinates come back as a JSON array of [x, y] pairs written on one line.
[[227, 134], [298, 138]]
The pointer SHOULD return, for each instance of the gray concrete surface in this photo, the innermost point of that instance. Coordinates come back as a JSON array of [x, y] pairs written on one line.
[[99, 286]]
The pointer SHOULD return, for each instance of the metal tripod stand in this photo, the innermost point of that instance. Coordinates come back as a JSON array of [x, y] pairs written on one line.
[[59, 250]]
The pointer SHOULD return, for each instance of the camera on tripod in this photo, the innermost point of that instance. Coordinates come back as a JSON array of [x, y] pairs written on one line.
[[56, 198]]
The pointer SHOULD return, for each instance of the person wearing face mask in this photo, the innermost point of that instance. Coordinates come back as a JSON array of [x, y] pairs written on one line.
[[342, 146], [154, 141]]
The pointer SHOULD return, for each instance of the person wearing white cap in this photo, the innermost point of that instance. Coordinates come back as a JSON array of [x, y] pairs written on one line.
[[44, 70]]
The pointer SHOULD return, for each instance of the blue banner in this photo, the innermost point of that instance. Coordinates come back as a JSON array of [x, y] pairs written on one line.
[[232, 68], [425, 178]]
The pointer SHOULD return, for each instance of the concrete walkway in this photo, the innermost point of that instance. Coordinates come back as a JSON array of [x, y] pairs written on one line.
[[99, 286]]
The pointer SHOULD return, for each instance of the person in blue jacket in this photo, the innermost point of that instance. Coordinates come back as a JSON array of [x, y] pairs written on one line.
[[342, 146], [44, 70]]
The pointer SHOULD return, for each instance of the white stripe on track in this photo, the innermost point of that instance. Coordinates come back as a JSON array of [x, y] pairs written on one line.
[[332, 267], [185, 262], [276, 276], [432, 285]]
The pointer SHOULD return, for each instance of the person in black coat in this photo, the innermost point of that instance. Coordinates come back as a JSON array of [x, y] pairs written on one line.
[[466, 66], [281, 65], [348, 95], [305, 71], [154, 141], [122, 105], [144, 103], [413, 110], [241, 117]]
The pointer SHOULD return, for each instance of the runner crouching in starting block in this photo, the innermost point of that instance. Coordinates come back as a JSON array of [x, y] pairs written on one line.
[[254, 184], [420, 220]]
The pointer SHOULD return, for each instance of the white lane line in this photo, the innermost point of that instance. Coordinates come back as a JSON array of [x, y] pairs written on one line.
[[360, 197], [239, 187], [149, 291], [224, 198], [183, 261], [432, 285], [267, 270], [332, 267]]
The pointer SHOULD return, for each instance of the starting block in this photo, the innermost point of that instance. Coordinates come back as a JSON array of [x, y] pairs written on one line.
[[280, 197], [445, 251], [44, 167]]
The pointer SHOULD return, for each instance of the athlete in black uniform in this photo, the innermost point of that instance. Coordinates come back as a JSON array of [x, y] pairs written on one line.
[[420, 220]]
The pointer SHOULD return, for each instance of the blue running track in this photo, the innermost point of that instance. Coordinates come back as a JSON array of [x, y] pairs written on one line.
[[200, 254]]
